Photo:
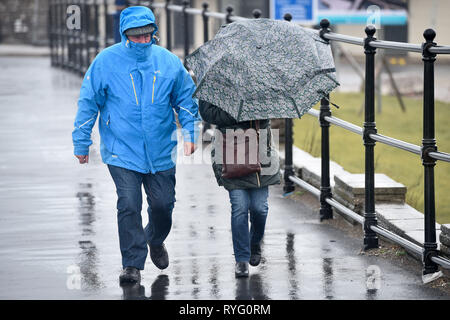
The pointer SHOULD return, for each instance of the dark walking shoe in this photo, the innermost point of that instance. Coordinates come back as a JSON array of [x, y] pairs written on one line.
[[159, 256], [255, 255], [130, 275], [241, 270]]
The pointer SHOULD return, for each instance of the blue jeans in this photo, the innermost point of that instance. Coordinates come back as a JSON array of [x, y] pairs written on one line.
[[244, 201], [160, 190]]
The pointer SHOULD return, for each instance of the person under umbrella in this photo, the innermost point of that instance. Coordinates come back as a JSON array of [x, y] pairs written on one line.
[[252, 71]]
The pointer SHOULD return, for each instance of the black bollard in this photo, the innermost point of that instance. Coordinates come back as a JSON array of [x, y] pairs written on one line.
[[168, 27], [370, 218], [429, 145], [256, 13], [325, 189], [229, 14], [288, 163], [186, 27], [205, 18]]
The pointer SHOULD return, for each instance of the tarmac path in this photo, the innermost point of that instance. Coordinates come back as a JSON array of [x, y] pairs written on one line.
[[58, 226]]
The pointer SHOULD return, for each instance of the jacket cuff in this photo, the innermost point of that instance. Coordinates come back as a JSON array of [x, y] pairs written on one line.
[[81, 151]]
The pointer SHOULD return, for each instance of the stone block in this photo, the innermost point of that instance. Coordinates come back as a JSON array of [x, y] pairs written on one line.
[[387, 212], [445, 228], [444, 239], [355, 204], [351, 189], [418, 237], [445, 250], [313, 173]]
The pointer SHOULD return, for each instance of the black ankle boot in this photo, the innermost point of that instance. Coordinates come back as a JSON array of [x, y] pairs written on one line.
[[255, 255], [130, 275], [241, 269], [159, 256]]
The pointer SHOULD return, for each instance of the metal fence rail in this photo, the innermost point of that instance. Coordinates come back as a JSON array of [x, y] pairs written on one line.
[[427, 151], [75, 50]]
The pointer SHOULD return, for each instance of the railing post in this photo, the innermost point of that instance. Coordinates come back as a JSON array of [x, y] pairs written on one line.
[[87, 20], [429, 145], [229, 14], [61, 24], [111, 25], [78, 45], [51, 33], [325, 189], [70, 46], [186, 28], [256, 13], [370, 218], [168, 27], [96, 27], [84, 38], [205, 21], [288, 163]]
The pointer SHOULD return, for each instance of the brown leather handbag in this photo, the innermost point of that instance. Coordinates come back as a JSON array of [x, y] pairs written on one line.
[[232, 144]]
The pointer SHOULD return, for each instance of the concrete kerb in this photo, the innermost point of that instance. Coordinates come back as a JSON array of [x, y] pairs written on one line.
[[393, 213], [22, 50]]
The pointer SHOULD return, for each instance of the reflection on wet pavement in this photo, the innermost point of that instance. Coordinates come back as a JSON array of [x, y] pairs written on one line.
[[58, 229]]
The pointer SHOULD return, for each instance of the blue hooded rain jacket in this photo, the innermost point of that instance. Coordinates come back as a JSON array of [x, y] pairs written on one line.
[[136, 87]]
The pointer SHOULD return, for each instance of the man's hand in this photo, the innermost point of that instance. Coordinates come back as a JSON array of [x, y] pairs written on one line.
[[83, 159], [189, 148]]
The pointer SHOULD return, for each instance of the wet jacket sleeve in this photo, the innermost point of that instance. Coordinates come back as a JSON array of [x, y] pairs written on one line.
[[92, 97], [185, 105], [214, 115]]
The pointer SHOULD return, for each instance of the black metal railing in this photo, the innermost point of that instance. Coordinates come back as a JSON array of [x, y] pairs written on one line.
[[75, 49], [428, 151]]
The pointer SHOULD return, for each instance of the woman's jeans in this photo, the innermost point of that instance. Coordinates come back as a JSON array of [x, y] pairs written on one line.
[[160, 190], [243, 201]]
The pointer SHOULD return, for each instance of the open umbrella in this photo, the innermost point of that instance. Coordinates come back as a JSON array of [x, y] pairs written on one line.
[[262, 69]]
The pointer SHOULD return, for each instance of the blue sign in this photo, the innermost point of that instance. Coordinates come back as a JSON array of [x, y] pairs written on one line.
[[340, 12], [303, 11]]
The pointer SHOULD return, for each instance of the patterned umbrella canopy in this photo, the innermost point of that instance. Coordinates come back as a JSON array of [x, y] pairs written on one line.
[[262, 69]]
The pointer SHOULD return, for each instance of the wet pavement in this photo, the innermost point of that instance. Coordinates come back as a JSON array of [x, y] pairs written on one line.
[[58, 230]]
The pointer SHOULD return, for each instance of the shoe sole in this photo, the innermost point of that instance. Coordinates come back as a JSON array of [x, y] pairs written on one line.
[[241, 275], [161, 268], [254, 264], [123, 281]]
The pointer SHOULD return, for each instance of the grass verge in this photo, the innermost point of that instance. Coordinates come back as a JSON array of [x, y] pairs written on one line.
[[347, 149]]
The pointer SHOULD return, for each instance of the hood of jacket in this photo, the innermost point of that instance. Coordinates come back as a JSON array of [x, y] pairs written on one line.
[[134, 17]]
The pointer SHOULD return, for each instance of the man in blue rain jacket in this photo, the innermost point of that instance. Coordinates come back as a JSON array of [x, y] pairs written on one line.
[[136, 86]]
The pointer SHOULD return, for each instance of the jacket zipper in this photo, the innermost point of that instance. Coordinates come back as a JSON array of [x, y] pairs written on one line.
[[134, 89], [153, 90]]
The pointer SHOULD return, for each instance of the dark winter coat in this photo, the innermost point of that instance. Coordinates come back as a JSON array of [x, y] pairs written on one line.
[[223, 121]]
